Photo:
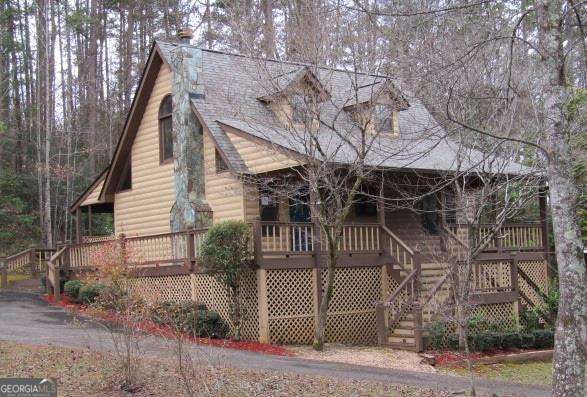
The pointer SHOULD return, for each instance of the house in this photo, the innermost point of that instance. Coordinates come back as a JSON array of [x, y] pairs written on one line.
[[205, 126]]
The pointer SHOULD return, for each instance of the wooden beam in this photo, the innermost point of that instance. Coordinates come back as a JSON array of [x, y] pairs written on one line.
[[78, 225], [90, 220]]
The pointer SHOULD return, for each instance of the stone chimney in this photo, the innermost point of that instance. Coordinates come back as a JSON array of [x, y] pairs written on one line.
[[190, 208], [185, 35]]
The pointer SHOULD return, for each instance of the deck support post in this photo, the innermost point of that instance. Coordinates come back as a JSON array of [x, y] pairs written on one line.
[[263, 306]]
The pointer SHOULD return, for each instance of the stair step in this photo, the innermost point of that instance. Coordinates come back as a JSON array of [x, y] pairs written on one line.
[[402, 346], [402, 332], [402, 340]]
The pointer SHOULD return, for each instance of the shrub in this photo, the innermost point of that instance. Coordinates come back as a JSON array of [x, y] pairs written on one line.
[[527, 341], [453, 341], [225, 253], [437, 334], [543, 339], [511, 340], [195, 319], [89, 293], [72, 288], [43, 281]]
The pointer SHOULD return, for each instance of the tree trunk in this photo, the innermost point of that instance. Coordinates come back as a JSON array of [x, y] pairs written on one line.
[[569, 357]]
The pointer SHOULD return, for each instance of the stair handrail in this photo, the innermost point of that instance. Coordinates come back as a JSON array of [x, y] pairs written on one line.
[[397, 239], [393, 296]]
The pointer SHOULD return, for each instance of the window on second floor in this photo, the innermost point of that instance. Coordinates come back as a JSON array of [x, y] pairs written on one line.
[[166, 130], [125, 182], [219, 162], [383, 118]]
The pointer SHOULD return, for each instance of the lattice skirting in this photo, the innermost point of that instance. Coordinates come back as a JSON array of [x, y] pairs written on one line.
[[538, 272], [292, 302], [503, 315], [202, 288]]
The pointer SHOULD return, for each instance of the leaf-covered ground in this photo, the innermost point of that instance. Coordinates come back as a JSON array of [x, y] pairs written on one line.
[[84, 372]]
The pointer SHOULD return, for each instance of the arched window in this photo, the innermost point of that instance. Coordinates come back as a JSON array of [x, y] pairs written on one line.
[[165, 130]]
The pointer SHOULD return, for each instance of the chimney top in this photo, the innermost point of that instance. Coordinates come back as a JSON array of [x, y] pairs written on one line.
[[185, 35]]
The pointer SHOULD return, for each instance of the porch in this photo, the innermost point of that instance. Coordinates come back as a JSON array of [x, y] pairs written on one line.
[[385, 291]]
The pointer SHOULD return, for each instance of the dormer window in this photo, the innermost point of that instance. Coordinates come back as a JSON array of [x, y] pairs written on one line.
[[166, 130], [300, 109], [383, 118]]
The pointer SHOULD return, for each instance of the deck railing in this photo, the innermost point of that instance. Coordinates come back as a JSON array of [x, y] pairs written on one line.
[[510, 237]]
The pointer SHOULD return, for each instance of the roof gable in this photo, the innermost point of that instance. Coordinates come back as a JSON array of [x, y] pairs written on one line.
[[132, 122]]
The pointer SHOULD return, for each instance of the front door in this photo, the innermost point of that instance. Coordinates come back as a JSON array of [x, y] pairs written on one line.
[[299, 212], [430, 214]]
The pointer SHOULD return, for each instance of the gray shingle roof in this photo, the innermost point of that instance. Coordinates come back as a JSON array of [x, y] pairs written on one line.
[[233, 83]]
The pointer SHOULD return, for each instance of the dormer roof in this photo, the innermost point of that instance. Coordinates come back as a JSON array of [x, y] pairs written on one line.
[[293, 81]]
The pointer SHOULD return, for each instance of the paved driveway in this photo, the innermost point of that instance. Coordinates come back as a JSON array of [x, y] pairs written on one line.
[[25, 318]]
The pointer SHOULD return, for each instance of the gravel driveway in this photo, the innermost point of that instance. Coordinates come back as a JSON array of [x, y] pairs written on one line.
[[25, 318]]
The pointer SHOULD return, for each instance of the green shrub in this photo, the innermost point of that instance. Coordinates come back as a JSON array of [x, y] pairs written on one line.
[[511, 340], [527, 341], [43, 281], [225, 253], [195, 319], [453, 342], [89, 293], [543, 339], [437, 334], [72, 288]]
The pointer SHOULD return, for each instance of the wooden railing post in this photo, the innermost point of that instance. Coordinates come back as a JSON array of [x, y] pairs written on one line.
[[191, 254], [514, 271], [257, 245], [3, 274], [122, 242], [33, 261], [418, 329], [57, 283]]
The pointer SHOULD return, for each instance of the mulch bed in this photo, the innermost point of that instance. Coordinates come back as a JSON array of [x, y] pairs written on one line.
[[165, 331]]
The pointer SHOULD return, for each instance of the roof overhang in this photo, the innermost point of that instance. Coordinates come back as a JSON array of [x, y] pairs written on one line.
[[78, 203]]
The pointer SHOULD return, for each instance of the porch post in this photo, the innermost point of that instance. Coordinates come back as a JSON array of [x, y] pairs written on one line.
[[78, 225], [542, 193], [263, 306], [90, 220], [543, 217]]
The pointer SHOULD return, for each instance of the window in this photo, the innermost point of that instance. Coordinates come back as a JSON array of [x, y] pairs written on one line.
[[269, 211], [383, 118], [219, 162], [300, 109], [365, 205], [165, 130], [450, 207], [125, 182]]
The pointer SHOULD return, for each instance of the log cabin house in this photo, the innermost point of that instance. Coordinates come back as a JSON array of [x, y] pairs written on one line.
[[203, 123]]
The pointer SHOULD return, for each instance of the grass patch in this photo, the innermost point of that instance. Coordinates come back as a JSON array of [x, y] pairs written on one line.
[[537, 373]]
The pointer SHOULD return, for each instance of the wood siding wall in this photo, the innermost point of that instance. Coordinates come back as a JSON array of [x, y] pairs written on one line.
[[145, 208], [224, 191], [259, 157]]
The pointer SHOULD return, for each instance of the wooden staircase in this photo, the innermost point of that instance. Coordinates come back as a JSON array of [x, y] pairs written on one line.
[[400, 315]]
